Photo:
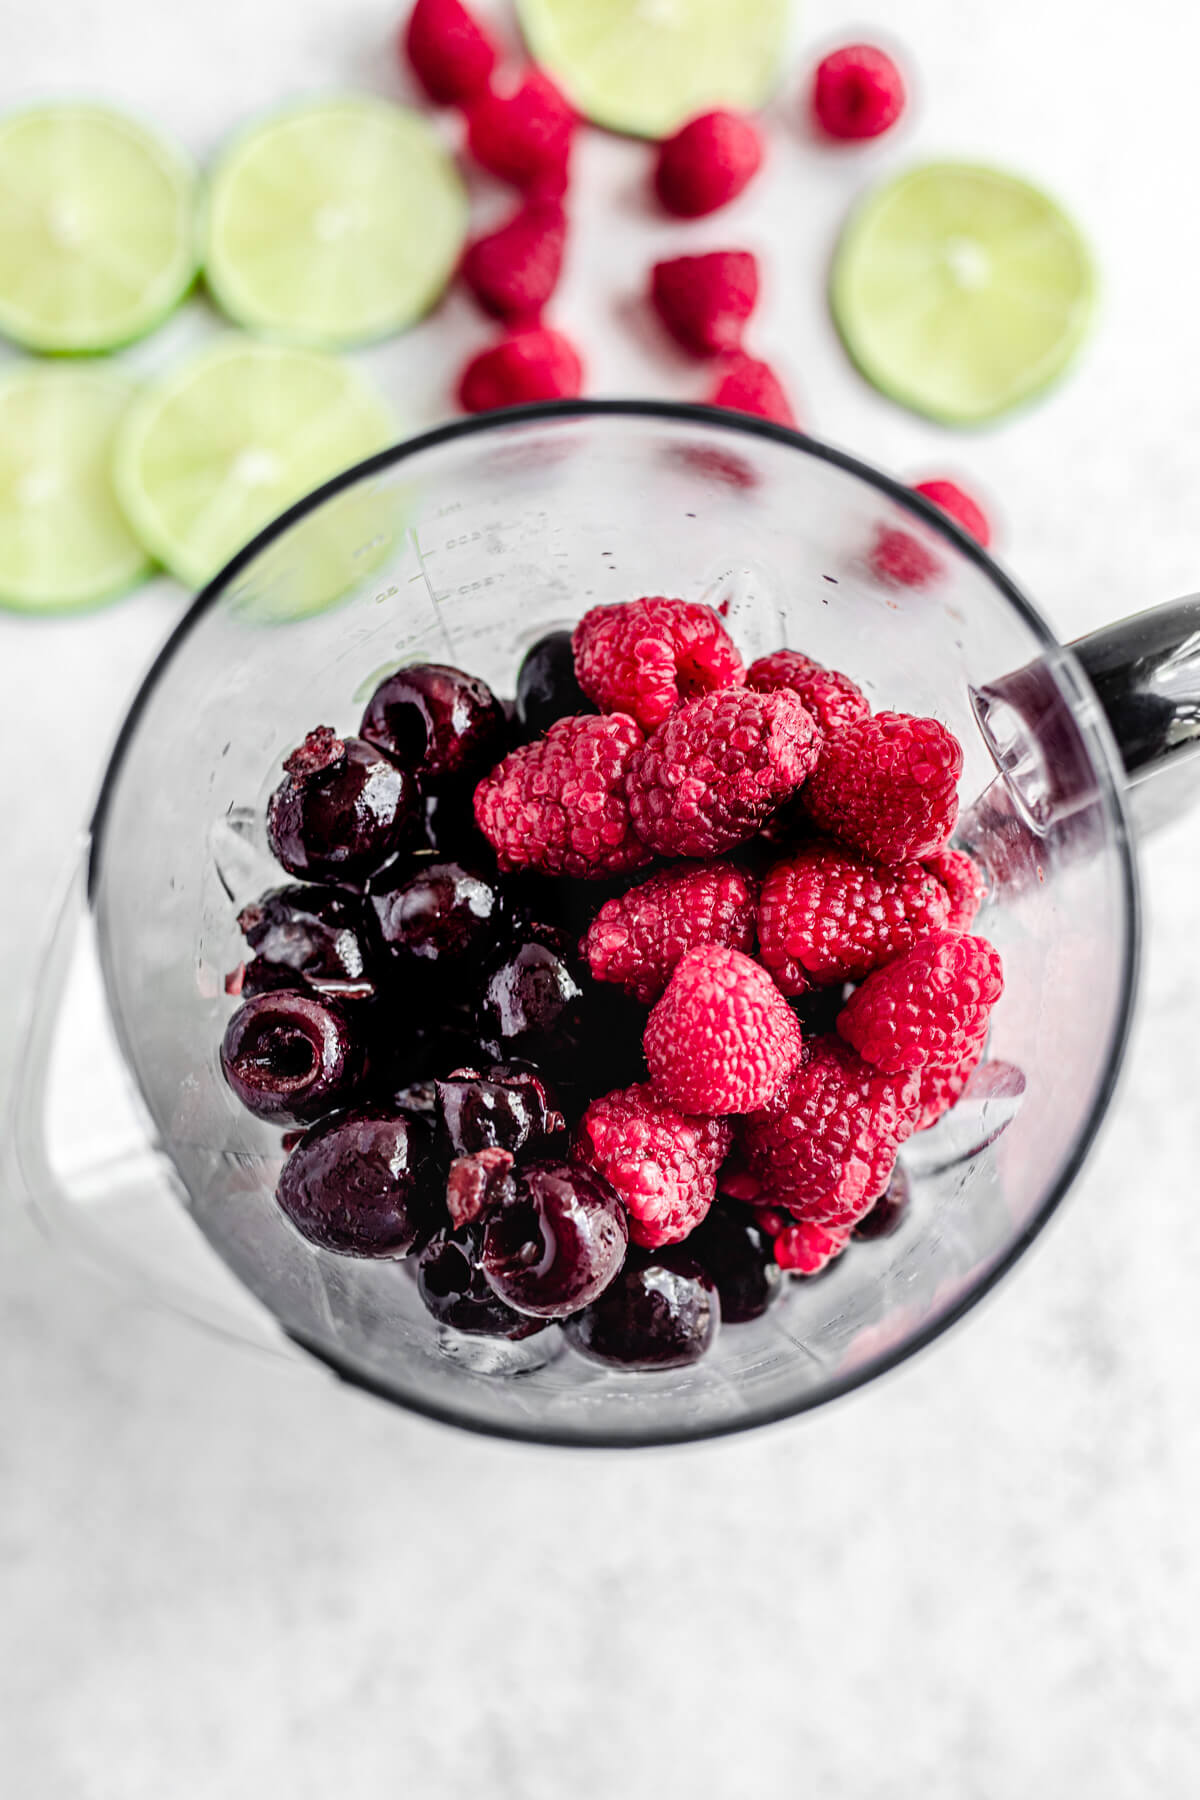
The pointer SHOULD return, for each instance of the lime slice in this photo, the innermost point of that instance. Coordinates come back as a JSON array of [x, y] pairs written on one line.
[[334, 222], [63, 540], [98, 233], [644, 66], [207, 457], [961, 291]]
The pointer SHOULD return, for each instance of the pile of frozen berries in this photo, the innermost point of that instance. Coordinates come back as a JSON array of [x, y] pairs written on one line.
[[609, 1007]]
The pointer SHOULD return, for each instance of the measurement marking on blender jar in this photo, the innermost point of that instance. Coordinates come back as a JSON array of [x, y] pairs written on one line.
[[434, 597]]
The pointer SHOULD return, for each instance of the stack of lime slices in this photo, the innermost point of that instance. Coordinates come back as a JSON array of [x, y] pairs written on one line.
[[326, 224]]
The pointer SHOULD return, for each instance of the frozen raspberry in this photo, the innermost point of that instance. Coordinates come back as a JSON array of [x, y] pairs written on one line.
[[748, 386], [451, 54], [531, 365], [713, 773], [722, 1039], [707, 163], [963, 881], [898, 559], [524, 136], [887, 786], [559, 805], [831, 697], [705, 301], [826, 1146], [927, 1005], [513, 271], [806, 1248], [941, 1083], [662, 1163], [646, 657], [858, 92], [827, 915], [637, 938], [961, 508]]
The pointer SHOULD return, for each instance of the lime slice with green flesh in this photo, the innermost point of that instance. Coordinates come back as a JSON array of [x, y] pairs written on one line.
[[961, 291], [64, 542], [207, 457], [646, 66], [98, 235], [333, 223]]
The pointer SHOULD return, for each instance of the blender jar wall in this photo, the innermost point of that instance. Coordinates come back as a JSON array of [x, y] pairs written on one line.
[[464, 548]]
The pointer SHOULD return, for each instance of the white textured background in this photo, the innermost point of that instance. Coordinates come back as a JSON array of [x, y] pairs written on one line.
[[220, 1581]]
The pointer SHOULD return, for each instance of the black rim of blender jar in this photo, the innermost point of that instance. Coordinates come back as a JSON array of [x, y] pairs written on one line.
[[1107, 763]]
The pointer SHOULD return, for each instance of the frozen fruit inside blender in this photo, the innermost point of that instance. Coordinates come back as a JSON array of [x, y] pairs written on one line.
[[341, 810], [614, 1027], [556, 1242], [436, 913], [435, 721]]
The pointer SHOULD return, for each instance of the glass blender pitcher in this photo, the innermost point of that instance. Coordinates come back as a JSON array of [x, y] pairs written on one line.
[[465, 546]]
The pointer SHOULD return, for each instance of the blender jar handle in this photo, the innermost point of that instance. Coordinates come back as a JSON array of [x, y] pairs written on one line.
[[1146, 674]]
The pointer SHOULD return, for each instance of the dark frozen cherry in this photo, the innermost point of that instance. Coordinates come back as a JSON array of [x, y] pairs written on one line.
[[532, 1005], [889, 1211], [436, 721], [454, 1291], [506, 1109], [291, 1056], [437, 913], [740, 1257], [546, 686], [661, 1312], [557, 1243], [478, 1182], [320, 932], [363, 1183], [341, 809], [450, 826]]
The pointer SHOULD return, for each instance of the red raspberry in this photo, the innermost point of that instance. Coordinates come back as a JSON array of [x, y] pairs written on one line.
[[887, 786], [827, 915], [707, 163], [524, 136], [963, 881], [831, 697], [961, 508], [722, 1039], [513, 271], [662, 1163], [705, 301], [898, 559], [748, 386], [858, 92], [636, 939], [826, 1146], [558, 806], [532, 365], [451, 54], [806, 1248], [927, 1006], [713, 773], [771, 1219], [646, 657], [942, 1083]]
